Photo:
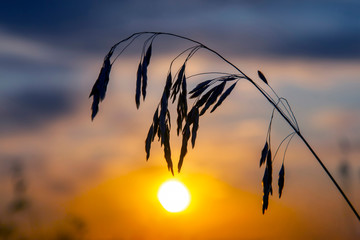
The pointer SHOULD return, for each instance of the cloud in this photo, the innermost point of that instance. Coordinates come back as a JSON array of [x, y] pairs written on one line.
[[341, 120], [32, 109], [318, 29]]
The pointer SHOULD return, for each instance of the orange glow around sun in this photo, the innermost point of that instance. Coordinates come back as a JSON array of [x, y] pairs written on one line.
[[174, 196]]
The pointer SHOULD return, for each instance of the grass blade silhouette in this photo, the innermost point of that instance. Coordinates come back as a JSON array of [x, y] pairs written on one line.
[[209, 98]]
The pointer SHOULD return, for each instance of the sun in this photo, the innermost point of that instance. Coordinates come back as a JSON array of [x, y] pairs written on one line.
[[174, 196]]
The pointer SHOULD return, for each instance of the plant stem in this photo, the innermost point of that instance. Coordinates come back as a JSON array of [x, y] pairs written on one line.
[[268, 97], [310, 148], [297, 132], [328, 173]]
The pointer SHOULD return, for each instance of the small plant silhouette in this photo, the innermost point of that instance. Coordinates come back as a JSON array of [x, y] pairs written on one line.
[[208, 93], [20, 210]]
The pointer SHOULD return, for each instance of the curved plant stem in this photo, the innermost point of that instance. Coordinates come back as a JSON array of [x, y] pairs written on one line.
[[328, 173], [289, 119]]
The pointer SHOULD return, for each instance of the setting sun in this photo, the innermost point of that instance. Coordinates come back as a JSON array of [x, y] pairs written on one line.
[[174, 196]]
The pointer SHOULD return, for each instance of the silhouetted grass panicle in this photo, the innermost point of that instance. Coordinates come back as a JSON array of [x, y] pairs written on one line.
[[193, 118], [99, 89], [223, 96], [177, 84], [264, 154], [215, 93], [182, 104], [145, 64], [200, 88], [138, 86], [281, 179], [262, 77], [209, 92]]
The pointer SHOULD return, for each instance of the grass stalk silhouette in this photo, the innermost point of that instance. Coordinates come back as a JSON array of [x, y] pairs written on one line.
[[206, 94]]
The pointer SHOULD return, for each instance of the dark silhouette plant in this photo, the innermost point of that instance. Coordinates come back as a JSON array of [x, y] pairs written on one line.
[[209, 93], [20, 210]]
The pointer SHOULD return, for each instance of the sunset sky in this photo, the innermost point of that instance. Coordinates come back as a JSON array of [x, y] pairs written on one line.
[[95, 172]]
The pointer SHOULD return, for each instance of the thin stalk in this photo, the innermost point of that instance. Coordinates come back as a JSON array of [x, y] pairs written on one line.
[[328, 173], [278, 148], [312, 151], [268, 97]]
